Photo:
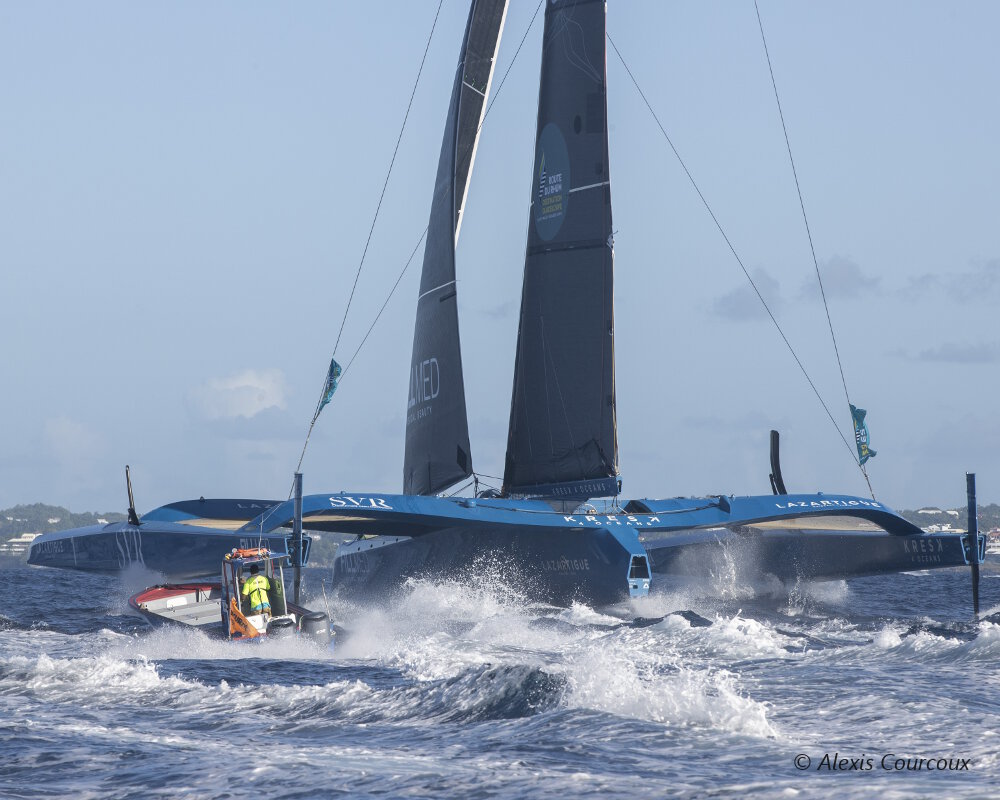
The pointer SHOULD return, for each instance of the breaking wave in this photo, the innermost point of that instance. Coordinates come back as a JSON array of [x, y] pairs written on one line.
[[456, 688]]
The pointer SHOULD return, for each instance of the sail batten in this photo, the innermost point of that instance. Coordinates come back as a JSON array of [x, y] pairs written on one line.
[[437, 450], [562, 439]]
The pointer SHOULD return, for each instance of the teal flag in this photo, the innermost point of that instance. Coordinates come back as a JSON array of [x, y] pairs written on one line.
[[861, 434], [331, 385]]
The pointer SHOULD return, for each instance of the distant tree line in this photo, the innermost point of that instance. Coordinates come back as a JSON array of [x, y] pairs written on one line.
[[42, 518]]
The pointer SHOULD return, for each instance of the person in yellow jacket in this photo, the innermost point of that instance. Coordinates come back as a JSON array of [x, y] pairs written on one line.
[[257, 586]]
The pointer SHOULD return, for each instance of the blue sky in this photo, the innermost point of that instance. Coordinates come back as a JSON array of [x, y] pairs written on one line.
[[185, 193]]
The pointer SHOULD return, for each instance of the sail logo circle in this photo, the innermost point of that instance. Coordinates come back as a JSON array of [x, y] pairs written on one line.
[[551, 201]]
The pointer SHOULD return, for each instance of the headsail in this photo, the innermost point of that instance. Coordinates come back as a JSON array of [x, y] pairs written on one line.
[[562, 440], [437, 428]]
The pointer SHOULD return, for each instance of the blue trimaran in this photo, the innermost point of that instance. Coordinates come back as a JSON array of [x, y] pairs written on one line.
[[562, 444]]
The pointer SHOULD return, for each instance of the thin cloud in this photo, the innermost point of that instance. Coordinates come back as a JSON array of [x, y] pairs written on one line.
[[502, 311], [842, 278], [70, 441], [752, 423], [982, 282], [743, 305], [244, 394], [76, 451], [955, 353], [922, 286]]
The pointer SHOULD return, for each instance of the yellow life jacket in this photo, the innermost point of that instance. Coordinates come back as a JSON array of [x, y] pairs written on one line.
[[257, 587]]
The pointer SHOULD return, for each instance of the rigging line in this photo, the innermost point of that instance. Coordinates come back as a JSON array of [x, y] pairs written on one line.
[[392, 291], [492, 477], [805, 220], [371, 327], [802, 205], [482, 122], [388, 173], [480, 482], [343, 373], [517, 52], [732, 249], [371, 230], [461, 488], [265, 516]]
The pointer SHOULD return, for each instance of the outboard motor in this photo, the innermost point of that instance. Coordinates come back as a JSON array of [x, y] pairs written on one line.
[[280, 628], [316, 626]]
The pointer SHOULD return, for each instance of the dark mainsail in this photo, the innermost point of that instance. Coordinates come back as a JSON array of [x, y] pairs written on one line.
[[562, 441], [437, 428]]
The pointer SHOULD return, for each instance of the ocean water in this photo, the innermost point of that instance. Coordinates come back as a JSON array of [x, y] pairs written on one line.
[[473, 692]]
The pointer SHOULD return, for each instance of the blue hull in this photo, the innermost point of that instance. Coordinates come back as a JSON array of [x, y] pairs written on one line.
[[558, 567], [592, 567]]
